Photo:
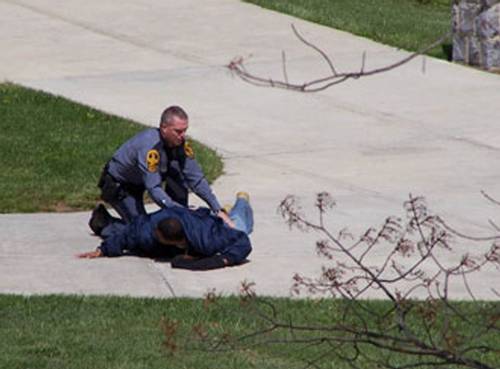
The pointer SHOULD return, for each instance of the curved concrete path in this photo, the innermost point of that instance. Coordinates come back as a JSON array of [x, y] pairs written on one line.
[[369, 142]]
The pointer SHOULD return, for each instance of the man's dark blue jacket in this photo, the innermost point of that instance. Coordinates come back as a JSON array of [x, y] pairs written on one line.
[[206, 235]]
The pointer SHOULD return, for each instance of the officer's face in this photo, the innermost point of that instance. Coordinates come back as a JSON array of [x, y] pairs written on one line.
[[174, 132]]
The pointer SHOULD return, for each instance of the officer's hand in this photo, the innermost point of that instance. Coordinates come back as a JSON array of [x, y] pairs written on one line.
[[221, 214], [90, 255]]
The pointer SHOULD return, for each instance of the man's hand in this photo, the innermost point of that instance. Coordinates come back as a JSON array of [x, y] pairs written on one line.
[[90, 255], [221, 214]]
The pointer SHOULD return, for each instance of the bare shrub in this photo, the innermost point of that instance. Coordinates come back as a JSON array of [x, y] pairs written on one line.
[[418, 325]]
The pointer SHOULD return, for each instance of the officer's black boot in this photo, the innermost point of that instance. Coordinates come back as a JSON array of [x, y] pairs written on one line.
[[100, 219]]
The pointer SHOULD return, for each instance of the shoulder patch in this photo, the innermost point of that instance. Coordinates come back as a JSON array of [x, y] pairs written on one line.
[[188, 150], [153, 160]]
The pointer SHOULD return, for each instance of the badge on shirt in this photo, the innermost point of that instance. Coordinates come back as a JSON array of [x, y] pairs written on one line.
[[152, 160], [188, 150]]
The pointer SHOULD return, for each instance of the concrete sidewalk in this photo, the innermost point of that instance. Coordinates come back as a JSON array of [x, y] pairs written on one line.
[[369, 142]]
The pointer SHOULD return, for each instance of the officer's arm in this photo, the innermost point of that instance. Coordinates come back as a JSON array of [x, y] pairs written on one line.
[[198, 183], [148, 162], [160, 197]]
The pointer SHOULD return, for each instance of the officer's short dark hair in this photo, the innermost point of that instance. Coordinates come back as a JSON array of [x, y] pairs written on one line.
[[171, 229], [170, 112]]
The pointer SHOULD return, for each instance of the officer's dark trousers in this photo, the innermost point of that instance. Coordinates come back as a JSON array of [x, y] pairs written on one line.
[[128, 199]]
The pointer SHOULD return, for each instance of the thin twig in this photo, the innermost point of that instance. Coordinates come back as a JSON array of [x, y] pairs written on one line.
[[315, 85], [321, 52]]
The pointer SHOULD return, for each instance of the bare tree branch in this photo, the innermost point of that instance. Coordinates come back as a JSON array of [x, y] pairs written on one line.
[[237, 66], [405, 332]]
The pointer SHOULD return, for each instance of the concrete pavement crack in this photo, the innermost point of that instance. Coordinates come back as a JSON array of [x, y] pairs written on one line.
[[475, 143], [154, 266]]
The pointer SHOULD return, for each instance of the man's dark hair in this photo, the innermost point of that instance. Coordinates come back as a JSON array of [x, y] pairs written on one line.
[[171, 229], [170, 112]]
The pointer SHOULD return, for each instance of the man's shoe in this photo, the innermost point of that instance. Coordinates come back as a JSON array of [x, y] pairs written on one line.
[[243, 195], [100, 219]]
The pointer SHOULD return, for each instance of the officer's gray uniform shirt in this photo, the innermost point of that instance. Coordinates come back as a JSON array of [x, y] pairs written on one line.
[[143, 161]]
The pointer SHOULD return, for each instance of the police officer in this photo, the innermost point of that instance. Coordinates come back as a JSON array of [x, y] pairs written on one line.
[[143, 163]]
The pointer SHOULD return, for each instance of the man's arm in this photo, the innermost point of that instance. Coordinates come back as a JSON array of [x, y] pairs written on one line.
[[232, 254], [112, 246], [208, 263], [237, 249], [127, 240]]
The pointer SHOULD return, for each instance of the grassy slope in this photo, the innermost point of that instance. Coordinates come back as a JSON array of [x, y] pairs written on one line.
[[69, 332], [406, 24], [52, 151]]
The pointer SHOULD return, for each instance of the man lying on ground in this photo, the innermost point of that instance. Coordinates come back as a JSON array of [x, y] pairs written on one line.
[[200, 239]]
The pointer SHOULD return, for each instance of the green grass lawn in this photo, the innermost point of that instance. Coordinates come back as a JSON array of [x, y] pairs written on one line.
[[52, 151], [406, 24], [69, 332]]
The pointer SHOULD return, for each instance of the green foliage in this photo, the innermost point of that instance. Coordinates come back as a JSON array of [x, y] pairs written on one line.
[[406, 24], [52, 151]]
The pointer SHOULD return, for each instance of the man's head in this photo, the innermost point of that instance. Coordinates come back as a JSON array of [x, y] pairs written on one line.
[[174, 123], [170, 232]]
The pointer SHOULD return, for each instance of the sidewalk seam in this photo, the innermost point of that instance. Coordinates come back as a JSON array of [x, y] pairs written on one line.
[[154, 266]]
